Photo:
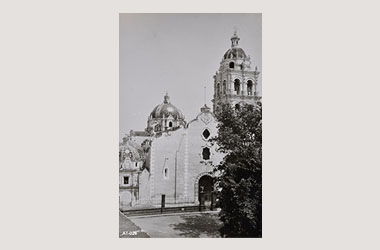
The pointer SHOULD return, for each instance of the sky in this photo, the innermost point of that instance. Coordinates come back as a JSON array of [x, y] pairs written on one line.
[[178, 54]]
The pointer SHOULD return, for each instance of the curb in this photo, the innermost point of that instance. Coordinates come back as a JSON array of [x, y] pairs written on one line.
[[170, 214]]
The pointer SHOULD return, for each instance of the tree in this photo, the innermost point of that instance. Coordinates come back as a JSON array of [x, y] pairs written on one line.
[[240, 172]]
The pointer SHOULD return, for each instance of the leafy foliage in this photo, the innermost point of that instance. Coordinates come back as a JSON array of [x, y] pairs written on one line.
[[240, 172]]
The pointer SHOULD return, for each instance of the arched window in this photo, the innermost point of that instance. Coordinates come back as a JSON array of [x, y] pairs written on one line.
[[166, 173], [170, 124], [206, 153], [224, 87], [206, 134], [232, 65], [217, 89], [237, 86], [249, 87]]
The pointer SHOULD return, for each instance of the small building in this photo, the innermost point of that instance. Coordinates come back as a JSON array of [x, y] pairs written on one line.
[[131, 172]]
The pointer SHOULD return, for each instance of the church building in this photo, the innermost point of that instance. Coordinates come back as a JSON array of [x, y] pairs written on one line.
[[175, 158]]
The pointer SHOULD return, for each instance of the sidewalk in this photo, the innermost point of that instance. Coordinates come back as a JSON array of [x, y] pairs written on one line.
[[175, 214]]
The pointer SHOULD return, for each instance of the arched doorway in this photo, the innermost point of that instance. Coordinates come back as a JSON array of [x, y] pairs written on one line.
[[205, 188]]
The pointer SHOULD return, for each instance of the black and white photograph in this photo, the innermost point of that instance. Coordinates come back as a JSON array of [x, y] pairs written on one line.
[[190, 121], [189, 124]]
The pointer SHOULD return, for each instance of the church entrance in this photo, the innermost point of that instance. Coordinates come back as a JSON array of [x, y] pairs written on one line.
[[206, 186]]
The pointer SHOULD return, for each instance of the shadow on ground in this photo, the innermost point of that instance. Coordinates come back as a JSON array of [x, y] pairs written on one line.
[[200, 225]]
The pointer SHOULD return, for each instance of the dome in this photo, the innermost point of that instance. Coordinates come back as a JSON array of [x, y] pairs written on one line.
[[166, 109], [235, 53]]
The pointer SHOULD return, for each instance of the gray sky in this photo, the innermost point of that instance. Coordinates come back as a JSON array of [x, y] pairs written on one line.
[[178, 53]]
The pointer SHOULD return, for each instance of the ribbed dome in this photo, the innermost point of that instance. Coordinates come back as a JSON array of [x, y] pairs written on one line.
[[166, 109], [235, 53]]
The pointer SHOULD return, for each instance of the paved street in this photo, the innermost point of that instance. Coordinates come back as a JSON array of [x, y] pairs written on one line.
[[189, 225], [127, 229]]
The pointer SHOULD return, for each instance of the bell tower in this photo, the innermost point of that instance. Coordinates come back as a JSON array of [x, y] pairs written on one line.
[[235, 82]]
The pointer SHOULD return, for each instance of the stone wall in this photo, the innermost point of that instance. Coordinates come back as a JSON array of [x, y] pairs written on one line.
[[167, 152]]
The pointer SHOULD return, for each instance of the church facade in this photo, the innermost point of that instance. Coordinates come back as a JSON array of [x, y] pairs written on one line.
[[175, 158]]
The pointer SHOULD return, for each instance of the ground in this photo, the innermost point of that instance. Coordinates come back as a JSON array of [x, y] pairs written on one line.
[[187, 225], [128, 229]]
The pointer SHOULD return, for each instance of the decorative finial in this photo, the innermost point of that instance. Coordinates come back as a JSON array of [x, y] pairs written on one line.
[[166, 97], [235, 39]]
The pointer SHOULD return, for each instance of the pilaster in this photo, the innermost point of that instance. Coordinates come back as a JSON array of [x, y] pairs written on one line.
[[152, 168]]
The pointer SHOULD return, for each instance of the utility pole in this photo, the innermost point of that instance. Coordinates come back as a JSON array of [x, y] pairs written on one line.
[[175, 178], [205, 95]]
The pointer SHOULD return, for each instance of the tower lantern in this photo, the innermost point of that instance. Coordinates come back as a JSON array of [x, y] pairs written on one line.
[[235, 40]]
